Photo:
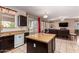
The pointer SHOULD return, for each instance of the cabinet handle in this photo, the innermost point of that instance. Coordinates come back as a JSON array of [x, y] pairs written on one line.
[[34, 45]]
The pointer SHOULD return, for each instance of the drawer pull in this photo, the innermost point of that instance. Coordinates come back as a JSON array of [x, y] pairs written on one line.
[[34, 45]]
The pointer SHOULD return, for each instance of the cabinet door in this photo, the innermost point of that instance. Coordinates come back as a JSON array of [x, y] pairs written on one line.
[[7, 43], [4, 43], [10, 42], [30, 46], [1, 44], [25, 34], [36, 47]]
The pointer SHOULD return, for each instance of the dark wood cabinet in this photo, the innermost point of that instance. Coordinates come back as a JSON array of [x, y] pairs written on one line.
[[22, 20], [6, 43], [25, 34], [36, 47], [40, 47]]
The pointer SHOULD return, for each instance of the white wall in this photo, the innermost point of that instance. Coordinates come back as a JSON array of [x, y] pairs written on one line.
[[71, 25], [45, 25]]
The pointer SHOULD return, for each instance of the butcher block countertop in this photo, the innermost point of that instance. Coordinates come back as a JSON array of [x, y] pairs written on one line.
[[11, 33], [42, 37]]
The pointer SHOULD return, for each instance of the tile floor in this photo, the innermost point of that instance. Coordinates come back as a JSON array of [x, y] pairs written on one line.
[[21, 49], [62, 46], [66, 46]]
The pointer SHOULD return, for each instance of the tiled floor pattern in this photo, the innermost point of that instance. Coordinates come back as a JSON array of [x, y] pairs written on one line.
[[21, 49], [66, 46], [62, 46]]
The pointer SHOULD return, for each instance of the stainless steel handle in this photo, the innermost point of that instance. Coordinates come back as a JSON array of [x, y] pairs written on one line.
[[34, 45]]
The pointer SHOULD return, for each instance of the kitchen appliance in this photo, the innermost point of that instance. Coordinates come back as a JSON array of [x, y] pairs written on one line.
[[63, 24], [22, 20], [19, 40]]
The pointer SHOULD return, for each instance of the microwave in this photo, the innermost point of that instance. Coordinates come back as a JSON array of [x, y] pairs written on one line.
[[22, 20]]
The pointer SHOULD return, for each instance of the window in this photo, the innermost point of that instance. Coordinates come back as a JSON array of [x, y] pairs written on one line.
[[33, 25]]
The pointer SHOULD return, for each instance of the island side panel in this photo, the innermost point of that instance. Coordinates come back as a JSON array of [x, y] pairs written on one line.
[[51, 46]]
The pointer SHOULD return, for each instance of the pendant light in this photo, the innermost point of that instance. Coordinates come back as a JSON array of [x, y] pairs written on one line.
[[45, 14]]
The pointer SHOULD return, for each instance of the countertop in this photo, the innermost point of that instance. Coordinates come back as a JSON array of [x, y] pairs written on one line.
[[11, 33], [42, 37]]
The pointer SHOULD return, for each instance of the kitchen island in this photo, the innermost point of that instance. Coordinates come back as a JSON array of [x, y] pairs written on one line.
[[40, 43]]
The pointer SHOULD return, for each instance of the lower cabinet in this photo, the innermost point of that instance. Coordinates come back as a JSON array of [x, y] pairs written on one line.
[[6, 43], [36, 47], [25, 34]]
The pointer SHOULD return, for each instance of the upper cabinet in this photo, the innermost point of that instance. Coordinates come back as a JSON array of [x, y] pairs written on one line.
[[7, 17], [22, 20]]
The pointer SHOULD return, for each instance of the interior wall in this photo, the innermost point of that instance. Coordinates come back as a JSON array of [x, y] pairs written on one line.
[[42, 25], [45, 25], [71, 25]]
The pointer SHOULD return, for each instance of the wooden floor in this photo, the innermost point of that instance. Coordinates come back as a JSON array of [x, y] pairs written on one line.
[[62, 46]]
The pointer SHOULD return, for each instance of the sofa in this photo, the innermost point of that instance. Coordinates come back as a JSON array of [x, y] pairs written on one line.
[[62, 33]]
